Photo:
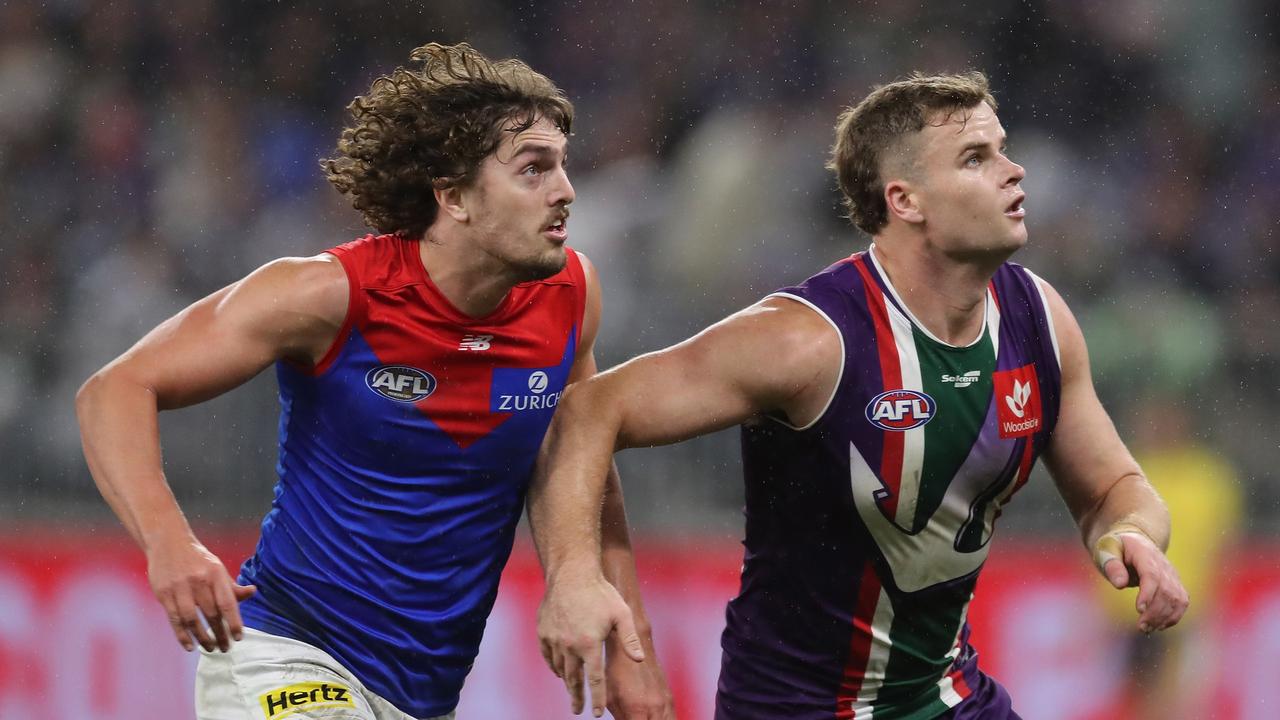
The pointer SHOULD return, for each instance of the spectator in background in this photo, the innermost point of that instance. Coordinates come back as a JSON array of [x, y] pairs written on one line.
[[108, 105]]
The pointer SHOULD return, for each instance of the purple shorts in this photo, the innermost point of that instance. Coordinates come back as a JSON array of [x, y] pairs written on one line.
[[988, 701]]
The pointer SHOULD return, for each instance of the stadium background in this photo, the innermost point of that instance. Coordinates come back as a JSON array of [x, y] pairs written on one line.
[[151, 152]]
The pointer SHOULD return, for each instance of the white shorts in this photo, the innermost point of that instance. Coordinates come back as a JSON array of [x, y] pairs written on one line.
[[268, 677]]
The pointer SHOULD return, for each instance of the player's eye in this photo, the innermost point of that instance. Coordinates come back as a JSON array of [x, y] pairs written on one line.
[[973, 160], [530, 170]]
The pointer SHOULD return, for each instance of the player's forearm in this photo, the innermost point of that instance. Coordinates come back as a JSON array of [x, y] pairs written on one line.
[[566, 496], [617, 558], [120, 435], [1131, 503]]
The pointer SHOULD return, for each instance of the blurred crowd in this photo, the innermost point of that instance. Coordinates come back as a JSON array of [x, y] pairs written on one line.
[[151, 152]]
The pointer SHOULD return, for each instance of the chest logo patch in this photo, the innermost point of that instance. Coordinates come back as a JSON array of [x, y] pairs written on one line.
[[401, 382], [900, 410], [476, 343], [1017, 395], [538, 382], [965, 380]]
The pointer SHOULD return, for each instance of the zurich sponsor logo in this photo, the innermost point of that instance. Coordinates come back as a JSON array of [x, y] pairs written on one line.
[[400, 382], [538, 382], [523, 389], [899, 410]]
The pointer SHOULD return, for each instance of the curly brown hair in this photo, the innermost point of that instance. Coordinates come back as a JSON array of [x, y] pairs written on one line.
[[884, 120], [431, 127]]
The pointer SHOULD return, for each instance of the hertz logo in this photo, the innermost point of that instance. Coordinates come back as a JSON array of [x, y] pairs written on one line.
[[304, 696]]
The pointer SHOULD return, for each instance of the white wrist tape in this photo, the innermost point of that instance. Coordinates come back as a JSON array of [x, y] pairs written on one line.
[[1109, 547]]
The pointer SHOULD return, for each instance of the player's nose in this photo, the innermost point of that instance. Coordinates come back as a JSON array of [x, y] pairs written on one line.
[[562, 192], [1016, 173]]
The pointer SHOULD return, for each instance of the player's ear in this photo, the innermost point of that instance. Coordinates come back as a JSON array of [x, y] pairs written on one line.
[[451, 202], [903, 202]]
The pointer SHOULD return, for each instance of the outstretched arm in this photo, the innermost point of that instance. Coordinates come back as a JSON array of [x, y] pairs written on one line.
[[289, 308], [634, 690], [775, 356], [1122, 519], [632, 687]]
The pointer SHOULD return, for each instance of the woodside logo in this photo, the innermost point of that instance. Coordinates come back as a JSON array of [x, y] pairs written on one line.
[[1017, 395]]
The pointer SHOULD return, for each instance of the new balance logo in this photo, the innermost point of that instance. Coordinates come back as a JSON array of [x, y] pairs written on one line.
[[476, 343], [964, 380]]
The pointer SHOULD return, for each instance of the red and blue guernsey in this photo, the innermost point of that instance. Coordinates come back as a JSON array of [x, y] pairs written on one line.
[[866, 530], [404, 459]]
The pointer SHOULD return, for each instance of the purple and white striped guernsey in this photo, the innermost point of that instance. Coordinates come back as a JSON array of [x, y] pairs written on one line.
[[866, 529]]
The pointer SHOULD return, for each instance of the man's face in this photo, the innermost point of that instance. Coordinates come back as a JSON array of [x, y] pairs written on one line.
[[519, 202], [968, 188]]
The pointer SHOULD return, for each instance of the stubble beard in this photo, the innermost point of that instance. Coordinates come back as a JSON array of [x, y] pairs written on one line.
[[543, 266]]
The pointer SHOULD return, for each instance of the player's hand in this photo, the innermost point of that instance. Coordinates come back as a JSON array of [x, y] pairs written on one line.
[[637, 691], [197, 594], [1131, 559], [576, 616]]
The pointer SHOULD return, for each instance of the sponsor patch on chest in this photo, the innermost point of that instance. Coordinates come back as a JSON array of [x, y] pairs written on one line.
[[900, 410], [1017, 395], [520, 390], [400, 382]]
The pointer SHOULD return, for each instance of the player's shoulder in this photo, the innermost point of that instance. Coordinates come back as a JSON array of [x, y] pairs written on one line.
[[314, 285], [314, 270], [781, 330], [381, 262], [1034, 282], [584, 262], [368, 244], [792, 321], [834, 283]]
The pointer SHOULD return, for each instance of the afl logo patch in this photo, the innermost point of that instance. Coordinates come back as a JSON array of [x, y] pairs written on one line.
[[400, 383], [900, 410]]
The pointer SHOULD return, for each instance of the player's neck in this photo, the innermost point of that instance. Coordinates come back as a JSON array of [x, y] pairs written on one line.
[[472, 282], [945, 296]]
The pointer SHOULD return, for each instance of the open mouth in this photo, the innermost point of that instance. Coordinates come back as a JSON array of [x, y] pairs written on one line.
[[558, 230], [1015, 208]]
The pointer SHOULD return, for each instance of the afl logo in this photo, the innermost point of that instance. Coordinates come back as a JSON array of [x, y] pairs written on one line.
[[400, 383], [538, 381], [899, 410]]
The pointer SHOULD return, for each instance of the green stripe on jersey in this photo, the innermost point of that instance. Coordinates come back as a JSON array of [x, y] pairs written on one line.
[[925, 623], [925, 626], [959, 381]]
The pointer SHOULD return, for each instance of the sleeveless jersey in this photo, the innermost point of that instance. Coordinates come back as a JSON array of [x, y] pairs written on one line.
[[866, 530], [404, 459]]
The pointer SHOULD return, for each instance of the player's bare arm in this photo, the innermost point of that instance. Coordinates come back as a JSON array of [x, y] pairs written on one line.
[[777, 356], [1122, 519], [290, 308], [636, 688]]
